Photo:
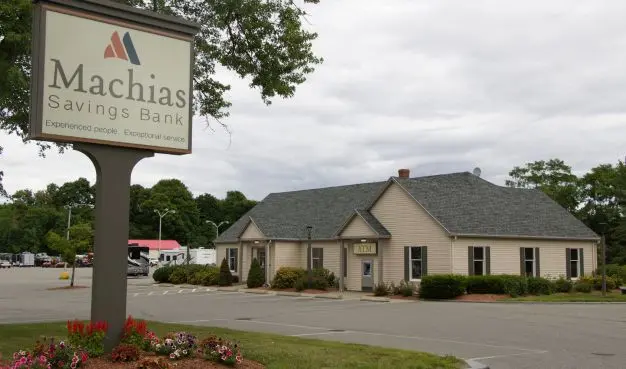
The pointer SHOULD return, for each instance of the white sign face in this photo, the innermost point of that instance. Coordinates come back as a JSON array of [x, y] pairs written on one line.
[[104, 83]]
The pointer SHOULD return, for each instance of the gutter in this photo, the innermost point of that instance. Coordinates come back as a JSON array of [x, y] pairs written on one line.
[[478, 235]]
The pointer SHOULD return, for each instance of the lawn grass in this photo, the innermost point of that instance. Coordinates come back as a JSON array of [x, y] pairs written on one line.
[[276, 352], [594, 296]]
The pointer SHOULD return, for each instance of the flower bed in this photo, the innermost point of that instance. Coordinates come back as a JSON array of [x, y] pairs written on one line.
[[140, 349]]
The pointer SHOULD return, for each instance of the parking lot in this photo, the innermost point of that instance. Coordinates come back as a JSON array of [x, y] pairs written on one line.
[[503, 336]]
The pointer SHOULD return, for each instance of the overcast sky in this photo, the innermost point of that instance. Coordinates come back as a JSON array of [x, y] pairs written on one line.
[[434, 86]]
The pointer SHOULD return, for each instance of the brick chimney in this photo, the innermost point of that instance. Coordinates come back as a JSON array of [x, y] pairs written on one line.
[[403, 173]]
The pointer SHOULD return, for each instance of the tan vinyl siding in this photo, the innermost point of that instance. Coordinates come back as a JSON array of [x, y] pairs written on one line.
[[252, 232], [331, 255], [358, 228], [289, 254], [505, 255], [410, 225], [220, 252]]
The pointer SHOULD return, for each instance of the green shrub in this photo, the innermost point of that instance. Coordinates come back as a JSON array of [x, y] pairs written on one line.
[[444, 286], [611, 283], [515, 285], [583, 286], [208, 276], [178, 276], [256, 278], [618, 272], [300, 284], [381, 289], [162, 274], [286, 277], [539, 286], [563, 285], [406, 289], [226, 278], [319, 283], [482, 284]]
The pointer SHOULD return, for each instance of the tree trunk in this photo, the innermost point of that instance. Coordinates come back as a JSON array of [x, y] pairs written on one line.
[[72, 279]]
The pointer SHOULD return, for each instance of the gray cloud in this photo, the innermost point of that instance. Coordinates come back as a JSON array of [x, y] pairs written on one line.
[[434, 86]]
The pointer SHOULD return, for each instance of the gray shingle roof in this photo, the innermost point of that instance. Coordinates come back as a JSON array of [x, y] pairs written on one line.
[[373, 222], [285, 215], [461, 202], [466, 204]]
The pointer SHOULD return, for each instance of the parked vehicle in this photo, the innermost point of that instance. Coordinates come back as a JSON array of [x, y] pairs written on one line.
[[138, 260], [5, 264]]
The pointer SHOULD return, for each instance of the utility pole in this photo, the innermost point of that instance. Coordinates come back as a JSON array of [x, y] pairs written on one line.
[[309, 257], [217, 227], [69, 220], [161, 215]]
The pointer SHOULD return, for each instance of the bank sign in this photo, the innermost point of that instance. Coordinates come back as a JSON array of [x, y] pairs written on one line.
[[103, 81]]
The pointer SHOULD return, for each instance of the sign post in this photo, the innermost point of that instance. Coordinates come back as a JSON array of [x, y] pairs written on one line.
[[117, 82]]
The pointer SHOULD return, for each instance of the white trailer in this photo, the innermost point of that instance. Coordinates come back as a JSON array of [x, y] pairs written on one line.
[[27, 259], [202, 256]]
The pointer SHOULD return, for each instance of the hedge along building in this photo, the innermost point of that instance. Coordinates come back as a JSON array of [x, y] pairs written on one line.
[[405, 228]]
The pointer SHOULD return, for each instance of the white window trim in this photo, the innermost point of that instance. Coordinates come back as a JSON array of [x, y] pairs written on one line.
[[534, 260], [578, 271], [421, 259], [229, 257], [321, 259], [484, 259]]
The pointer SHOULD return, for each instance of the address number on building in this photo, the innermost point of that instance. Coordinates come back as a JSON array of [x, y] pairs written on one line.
[[365, 248]]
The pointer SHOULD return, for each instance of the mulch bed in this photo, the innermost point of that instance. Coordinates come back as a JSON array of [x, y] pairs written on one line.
[[66, 288], [191, 363], [311, 291], [482, 297]]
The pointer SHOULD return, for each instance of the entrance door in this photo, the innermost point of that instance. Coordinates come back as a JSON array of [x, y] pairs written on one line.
[[367, 275]]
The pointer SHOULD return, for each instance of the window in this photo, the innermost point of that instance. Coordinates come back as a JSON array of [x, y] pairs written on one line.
[[232, 259], [529, 261], [345, 261], [479, 260], [415, 263], [574, 262], [317, 258]]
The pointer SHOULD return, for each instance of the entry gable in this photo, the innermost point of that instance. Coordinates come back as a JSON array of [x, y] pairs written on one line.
[[252, 231], [362, 224]]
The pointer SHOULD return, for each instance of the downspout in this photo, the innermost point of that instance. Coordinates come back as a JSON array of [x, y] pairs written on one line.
[[267, 262], [341, 262]]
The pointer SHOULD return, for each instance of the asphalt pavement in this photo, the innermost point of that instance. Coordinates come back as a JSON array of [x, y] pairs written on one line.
[[503, 336]]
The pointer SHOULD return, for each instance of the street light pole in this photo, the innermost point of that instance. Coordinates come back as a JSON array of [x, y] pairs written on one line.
[[309, 257], [217, 227], [603, 240], [161, 215]]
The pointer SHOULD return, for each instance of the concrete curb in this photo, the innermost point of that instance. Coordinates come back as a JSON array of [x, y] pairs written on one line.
[[257, 292], [375, 299], [476, 365], [330, 297], [287, 293], [228, 289], [533, 302]]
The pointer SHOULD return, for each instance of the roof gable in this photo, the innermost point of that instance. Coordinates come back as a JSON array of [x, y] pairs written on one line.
[[252, 231], [362, 223]]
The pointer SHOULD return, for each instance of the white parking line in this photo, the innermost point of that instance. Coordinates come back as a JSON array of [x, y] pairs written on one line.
[[165, 292]]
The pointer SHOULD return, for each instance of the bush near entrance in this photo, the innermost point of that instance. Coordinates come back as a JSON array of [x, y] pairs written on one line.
[[256, 278], [451, 286], [226, 277]]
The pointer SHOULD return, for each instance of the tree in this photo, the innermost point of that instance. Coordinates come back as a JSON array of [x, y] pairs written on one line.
[[256, 278], [226, 278], [553, 177], [81, 240], [262, 40]]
